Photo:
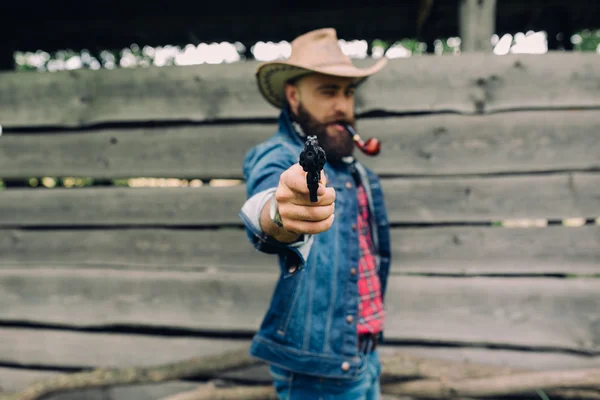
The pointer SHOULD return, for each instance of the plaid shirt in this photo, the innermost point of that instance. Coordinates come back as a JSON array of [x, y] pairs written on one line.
[[370, 306]]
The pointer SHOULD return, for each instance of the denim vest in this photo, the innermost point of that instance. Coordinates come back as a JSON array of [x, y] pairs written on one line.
[[306, 328]]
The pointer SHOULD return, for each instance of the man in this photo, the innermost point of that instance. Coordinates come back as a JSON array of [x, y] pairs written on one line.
[[320, 331]]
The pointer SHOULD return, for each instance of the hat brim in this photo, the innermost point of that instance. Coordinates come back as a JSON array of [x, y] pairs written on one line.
[[272, 76]]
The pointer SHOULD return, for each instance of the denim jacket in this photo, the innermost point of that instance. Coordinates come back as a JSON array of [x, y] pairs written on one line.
[[306, 328]]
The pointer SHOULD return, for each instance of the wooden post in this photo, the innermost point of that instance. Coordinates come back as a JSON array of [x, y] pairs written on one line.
[[477, 23]]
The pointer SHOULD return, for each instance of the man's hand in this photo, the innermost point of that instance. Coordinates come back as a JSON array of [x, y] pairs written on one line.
[[298, 214]]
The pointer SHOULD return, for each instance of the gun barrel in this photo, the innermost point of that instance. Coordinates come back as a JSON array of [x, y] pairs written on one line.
[[312, 160]]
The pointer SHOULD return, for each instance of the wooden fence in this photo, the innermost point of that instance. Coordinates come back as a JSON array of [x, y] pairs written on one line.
[[122, 276]]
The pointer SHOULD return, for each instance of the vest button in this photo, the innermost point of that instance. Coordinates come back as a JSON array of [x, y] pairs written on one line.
[[348, 185], [349, 318], [353, 227], [345, 366], [353, 271]]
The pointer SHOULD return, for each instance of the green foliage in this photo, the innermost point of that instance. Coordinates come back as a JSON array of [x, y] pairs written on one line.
[[63, 59], [414, 46], [380, 43], [74, 182], [120, 182], [586, 40]]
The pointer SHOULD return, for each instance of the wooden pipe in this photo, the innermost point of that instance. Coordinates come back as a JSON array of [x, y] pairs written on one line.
[[371, 147]]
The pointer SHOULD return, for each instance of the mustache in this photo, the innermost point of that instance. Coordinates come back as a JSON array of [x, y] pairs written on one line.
[[339, 120]]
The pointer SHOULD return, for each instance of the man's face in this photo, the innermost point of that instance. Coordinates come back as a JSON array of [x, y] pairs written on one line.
[[320, 103]]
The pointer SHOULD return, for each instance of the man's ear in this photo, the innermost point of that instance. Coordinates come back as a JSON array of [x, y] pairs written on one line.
[[292, 96]]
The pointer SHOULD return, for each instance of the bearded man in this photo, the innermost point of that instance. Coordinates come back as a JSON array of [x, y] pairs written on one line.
[[320, 332]]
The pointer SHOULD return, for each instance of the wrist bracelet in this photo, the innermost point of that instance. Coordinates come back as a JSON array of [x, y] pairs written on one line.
[[274, 213]]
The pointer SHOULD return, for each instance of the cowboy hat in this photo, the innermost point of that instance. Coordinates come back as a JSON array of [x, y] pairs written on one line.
[[315, 51]]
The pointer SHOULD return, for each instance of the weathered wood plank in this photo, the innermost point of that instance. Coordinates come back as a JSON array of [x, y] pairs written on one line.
[[70, 349], [497, 143], [502, 358], [423, 145], [468, 250], [160, 298], [447, 250], [187, 249], [115, 206], [467, 84], [556, 196], [551, 197], [82, 97], [55, 349], [15, 379], [556, 313]]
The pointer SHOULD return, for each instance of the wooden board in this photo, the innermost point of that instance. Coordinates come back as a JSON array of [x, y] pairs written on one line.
[[51, 350], [151, 249], [446, 250], [481, 251], [421, 145], [449, 144], [116, 206], [428, 200], [83, 97], [546, 360], [468, 83], [14, 379], [530, 312]]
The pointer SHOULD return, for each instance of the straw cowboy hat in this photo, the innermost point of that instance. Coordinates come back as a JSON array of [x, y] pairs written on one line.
[[315, 51]]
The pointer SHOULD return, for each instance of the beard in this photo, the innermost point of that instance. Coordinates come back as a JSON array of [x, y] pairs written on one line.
[[337, 145]]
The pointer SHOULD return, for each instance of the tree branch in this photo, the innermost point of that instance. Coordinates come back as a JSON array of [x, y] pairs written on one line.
[[212, 392], [404, 366], [506, 385], [429, 378], [103, 377]]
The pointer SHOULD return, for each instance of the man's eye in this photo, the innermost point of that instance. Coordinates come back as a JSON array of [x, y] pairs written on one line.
[[329, 93]]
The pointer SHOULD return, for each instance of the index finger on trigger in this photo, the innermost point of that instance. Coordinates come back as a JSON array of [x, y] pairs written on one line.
[[325, 197]]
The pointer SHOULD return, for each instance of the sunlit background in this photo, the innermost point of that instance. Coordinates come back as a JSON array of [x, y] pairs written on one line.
[[217, 53]]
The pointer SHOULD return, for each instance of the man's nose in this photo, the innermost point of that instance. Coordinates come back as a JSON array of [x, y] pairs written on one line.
[[343, 105]]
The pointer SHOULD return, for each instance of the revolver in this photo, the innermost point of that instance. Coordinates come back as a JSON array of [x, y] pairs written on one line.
[[312, 160]]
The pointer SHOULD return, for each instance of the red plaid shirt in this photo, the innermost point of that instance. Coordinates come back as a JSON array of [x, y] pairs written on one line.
[[370, 306]]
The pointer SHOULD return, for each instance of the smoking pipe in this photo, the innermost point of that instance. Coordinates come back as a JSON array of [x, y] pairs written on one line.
[[371, 147]]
